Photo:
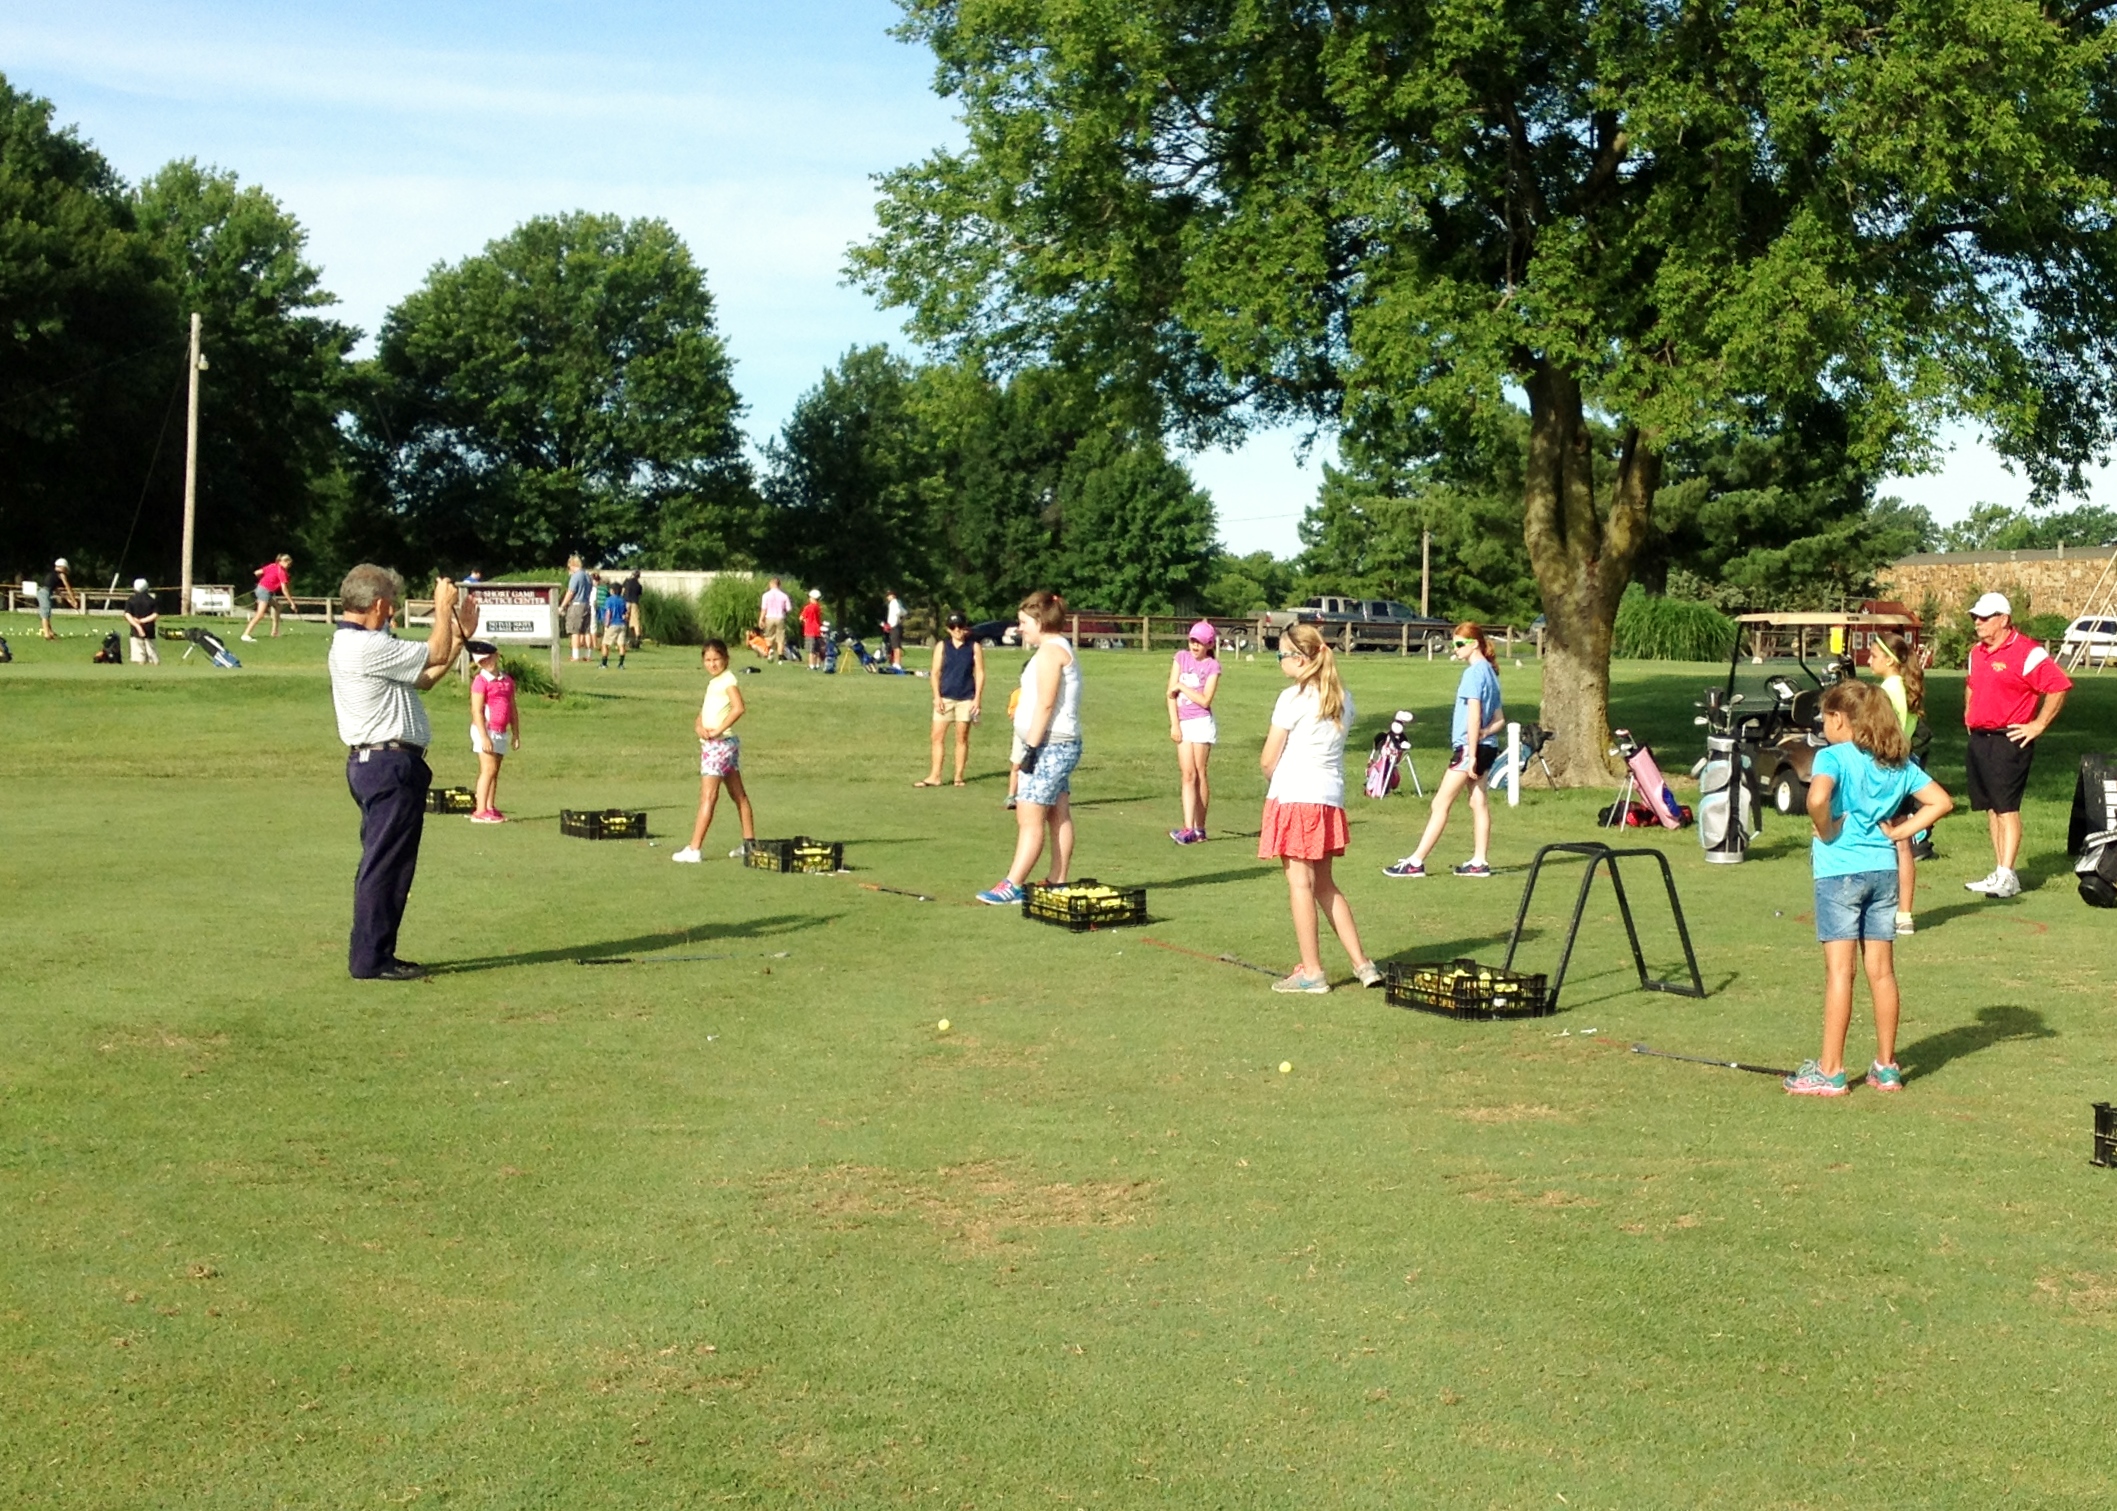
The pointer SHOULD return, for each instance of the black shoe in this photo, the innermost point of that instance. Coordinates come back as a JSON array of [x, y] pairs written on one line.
[[399, 970]]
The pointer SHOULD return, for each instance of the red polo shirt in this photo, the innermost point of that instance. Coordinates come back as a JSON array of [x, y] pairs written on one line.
[[2007, 680], [812, 618]]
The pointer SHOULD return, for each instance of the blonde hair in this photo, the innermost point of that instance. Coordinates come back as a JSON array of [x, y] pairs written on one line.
[[1046, 608], [1468, 630], [1874, 723], [1898, 649], [1320, 670]]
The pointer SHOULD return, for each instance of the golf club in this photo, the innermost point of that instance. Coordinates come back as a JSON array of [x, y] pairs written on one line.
[[1759, 1070], [869, 886], [1262, 970]]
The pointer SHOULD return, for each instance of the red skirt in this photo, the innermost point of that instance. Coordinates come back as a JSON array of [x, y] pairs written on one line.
[[1301, 831]]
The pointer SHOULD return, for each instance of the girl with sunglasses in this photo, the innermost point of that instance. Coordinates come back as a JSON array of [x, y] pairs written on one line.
[[1479, 717]]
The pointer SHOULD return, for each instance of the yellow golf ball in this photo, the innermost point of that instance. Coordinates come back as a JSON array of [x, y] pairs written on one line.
[[1286, 1067], [942, 1025]]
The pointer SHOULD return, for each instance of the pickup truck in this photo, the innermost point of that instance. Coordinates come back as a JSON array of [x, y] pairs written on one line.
[[1380, 624]]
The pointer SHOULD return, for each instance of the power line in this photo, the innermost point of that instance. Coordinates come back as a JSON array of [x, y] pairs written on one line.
[[145, 351]]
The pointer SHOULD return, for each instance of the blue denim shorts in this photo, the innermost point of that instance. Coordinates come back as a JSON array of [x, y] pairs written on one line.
[[1861, 906], [1054, 768]]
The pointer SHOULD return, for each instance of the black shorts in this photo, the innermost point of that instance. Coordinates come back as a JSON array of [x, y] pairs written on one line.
[[896, 637], [1999, 771], [1488, 756]]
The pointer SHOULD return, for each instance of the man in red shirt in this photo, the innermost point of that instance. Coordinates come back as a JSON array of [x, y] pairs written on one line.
[[2013, 693]]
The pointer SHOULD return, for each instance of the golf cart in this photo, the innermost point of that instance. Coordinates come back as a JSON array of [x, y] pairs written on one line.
[[1783, 739]]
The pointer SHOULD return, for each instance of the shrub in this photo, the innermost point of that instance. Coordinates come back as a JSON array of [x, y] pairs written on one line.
[[727, 610], [1652, 628], [532, 676], [669, 618]]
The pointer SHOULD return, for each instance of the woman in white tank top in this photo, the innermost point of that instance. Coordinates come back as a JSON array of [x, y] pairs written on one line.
[[1047, 723]]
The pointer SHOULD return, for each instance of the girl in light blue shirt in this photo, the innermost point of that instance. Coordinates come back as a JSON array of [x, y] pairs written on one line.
[[1474, 734]]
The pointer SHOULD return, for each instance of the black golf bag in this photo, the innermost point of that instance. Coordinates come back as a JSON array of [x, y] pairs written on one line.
[[216, 649], [110, 653], [6, 655], [2092, 834]]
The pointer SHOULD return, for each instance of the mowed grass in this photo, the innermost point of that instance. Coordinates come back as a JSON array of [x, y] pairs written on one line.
[[750, 1230]]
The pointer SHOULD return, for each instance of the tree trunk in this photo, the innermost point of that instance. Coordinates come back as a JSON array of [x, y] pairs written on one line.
[[1582, 550]]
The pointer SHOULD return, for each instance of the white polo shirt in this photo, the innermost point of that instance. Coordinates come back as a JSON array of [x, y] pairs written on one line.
[[372, 677]]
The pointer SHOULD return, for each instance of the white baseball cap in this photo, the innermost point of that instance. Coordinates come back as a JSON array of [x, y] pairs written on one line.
[[60, 563], [1990, 604], [139, 584], [815, 592]]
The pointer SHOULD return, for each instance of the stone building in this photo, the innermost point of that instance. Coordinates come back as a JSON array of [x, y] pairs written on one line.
[[2061, 581]]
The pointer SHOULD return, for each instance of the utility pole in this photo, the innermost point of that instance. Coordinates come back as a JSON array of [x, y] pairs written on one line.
[[1425, 570], [198, 364]]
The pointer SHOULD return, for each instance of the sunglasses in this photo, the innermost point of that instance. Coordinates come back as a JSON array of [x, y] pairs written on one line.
[[1292, 656], [1460, 642]]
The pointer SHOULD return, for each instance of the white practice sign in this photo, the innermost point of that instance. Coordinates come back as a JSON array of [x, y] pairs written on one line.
[[517, 613]]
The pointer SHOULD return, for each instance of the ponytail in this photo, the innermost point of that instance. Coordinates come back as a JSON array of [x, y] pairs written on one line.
[[1898, 649], [1319, 670], [1874, 723]]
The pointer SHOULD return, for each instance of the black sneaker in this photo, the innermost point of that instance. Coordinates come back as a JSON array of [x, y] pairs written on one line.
[[399, 970], [1473, 868]]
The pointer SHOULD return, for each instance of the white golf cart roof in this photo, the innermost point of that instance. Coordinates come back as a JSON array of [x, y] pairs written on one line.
[[1831, 621]]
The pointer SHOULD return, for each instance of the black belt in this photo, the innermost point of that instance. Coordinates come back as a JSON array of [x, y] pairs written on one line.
[[355, 750]]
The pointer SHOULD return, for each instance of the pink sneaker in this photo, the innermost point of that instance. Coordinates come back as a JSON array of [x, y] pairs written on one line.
[[488, 816]]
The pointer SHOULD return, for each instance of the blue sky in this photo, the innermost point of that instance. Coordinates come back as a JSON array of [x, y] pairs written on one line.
[[408, 134]]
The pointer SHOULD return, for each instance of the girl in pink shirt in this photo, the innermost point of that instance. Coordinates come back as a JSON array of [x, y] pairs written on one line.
[[495, 726]]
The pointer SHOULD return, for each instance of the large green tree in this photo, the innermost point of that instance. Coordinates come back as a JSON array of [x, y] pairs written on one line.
[[269, 443], [89, 357], [1657, 216], [565, 389]]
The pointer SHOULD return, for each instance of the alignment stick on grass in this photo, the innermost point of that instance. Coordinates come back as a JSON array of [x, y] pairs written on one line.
[[1262, 970], [672, 959], [1757, 1070]]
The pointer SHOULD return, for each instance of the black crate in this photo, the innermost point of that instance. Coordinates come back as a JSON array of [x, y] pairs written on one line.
[[1465, 989], [602, 823], [1085, 904], [2105, 1135], [797, 854], [451, 800]]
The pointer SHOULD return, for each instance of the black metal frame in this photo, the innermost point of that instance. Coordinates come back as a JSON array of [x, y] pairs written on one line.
[[1597, 854]]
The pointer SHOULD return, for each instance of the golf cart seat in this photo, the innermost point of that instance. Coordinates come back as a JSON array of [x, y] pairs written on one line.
[[1807, 708]]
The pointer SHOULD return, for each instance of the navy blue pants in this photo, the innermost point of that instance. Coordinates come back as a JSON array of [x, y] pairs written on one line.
[[390, 787]]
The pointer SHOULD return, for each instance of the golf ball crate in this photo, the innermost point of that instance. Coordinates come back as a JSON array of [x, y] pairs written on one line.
[[602, 823], [797, 854], [2105, 1136], [1465, 989], [451, 800], [1085, 904]]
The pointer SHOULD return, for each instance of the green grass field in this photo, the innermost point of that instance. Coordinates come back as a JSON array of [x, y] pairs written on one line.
[[750, 1230]]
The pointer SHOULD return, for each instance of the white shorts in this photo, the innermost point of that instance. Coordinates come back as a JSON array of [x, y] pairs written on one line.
[[498, 737], [1196, 731]]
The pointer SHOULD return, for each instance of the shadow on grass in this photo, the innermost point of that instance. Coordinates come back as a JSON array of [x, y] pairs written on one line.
[[708, 933], [1105, 802], [1439, 952], [1213, 878], [2002, 1024]]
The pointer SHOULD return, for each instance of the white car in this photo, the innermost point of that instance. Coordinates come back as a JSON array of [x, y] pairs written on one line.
[[2091, 640]]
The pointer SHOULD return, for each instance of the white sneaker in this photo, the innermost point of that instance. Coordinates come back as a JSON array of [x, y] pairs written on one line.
[[249, 640], [2004, 884], [739, 851], [686, 856], [1984, 884]]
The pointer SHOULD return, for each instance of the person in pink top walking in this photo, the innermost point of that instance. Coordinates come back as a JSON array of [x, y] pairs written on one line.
[[1194, 677], [495, 727], [273, 584]]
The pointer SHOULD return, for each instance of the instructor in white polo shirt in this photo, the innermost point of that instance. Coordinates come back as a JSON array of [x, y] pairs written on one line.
[[375, 684]]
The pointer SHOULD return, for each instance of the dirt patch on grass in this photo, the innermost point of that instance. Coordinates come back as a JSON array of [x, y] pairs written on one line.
[[980, 1206], [688, 1369], [1513, 1112], [2081, 1293], [198, 1051]]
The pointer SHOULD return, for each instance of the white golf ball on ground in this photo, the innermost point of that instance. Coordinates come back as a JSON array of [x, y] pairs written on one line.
[[942, 1025], [1286, 1067]]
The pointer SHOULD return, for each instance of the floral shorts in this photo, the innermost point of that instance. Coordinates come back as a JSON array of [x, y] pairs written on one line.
[[1052, 778], [721, 757]]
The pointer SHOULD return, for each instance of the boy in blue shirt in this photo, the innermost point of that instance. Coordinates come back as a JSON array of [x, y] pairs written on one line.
[[617, 629]]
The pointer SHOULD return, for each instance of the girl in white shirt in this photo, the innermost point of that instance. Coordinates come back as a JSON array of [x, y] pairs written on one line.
[[1047, 725], [719, 753], [1304, 808]]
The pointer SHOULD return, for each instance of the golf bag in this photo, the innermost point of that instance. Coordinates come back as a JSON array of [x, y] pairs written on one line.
[[1385, 763], [1534, 738], [6, 655], [215, 648], [2092, 834], [1727, 805], [110, 653]]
